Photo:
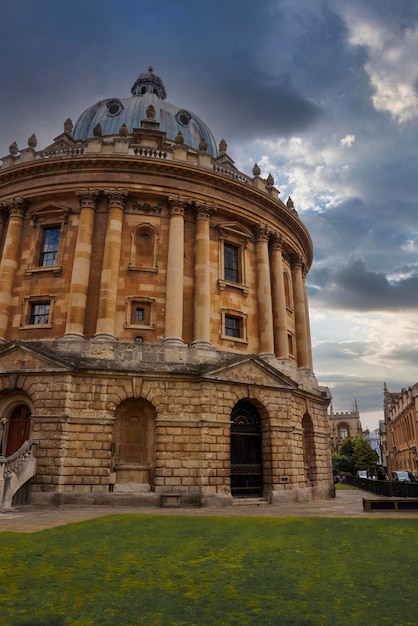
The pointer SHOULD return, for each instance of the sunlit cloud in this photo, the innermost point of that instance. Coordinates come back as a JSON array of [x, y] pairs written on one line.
[[391, 65], [348, 140]]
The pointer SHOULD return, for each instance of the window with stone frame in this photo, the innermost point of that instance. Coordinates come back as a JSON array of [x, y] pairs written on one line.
[[49, 247], [290, 345], [48, 252], [233, 241], [233, 325], [140, 312], [231, 263], [38, 311]]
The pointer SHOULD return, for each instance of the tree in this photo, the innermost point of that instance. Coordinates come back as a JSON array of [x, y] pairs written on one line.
[[364, 456], [347, 447], [342, 463]]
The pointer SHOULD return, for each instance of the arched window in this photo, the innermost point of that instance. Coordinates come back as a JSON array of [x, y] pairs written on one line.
[[343, 431]]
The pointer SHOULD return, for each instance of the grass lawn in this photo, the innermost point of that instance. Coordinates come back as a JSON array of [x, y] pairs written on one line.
[[184, 570]]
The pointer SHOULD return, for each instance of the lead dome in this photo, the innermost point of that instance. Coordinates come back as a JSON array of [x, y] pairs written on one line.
[[148, 90]]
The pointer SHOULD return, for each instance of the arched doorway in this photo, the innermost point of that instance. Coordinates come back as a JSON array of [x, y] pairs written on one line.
[[133, 447], [18, 428], [246, 455]]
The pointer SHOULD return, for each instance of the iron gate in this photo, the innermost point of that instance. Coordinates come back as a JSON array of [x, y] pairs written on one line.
[[246, 465]]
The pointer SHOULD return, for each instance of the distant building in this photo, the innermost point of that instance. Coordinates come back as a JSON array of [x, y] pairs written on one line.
[[401, 421], [373, 437], [344, 425]]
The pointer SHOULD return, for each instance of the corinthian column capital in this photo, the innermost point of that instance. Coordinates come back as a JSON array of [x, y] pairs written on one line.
[[116, 197], [87, 197], [262, 232], [177, 204], [204, 210], [277, 241], [297, 261], [15, 206]]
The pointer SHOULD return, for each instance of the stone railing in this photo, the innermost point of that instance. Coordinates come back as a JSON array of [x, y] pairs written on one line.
[[143, 151], [65, 151], [15, 470], [242, 178]]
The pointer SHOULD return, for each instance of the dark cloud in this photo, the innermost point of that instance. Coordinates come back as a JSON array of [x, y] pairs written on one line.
[[353, 287]]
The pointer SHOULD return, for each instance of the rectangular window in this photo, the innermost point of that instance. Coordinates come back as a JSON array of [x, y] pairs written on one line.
[[139, 314], [290, 344], [231, 265], [39, 313], [49, 248], [232, 326]]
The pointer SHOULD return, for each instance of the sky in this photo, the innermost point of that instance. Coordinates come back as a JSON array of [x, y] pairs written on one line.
[[323, 95]]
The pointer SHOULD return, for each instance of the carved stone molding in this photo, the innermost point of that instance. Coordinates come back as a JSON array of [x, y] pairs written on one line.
[[15, 207], [261, 232], [178, 204], [88, 197], [116, 197], [204, 210], [277, 241], [147, 209], [297, 262]]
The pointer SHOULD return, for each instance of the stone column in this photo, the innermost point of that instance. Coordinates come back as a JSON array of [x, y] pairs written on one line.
[[264, 302], [105, 329], [300, 312], [279, 299], [175, 271], [8, 264], [308, 325], [201, 322], [3, 222], [77, 301]]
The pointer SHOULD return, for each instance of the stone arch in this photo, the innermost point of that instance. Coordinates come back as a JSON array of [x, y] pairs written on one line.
[[249, 456], [133, 446], [16, 409], [343, 430], [309, 453]]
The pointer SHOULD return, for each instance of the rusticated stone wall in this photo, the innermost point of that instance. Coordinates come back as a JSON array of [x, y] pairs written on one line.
[[73, 419]]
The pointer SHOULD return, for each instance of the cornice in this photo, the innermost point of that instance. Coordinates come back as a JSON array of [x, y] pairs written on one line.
[[168, 168]]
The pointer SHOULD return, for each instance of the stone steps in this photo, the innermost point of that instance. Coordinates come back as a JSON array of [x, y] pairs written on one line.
[[250, 502]]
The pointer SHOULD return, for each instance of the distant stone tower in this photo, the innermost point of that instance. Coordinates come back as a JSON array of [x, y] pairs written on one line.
[[154, 317], [344, 425]]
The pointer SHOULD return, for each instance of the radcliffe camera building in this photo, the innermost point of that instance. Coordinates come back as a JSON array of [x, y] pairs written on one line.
[[154, 328]]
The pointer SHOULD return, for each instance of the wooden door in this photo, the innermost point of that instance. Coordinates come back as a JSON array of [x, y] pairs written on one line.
[[19, 429]]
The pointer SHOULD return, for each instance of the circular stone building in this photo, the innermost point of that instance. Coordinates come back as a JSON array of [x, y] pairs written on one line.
[[154, 329]]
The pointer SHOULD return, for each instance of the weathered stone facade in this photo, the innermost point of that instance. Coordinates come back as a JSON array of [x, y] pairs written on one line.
[[401, 429], [154, 321], [344, 424]]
